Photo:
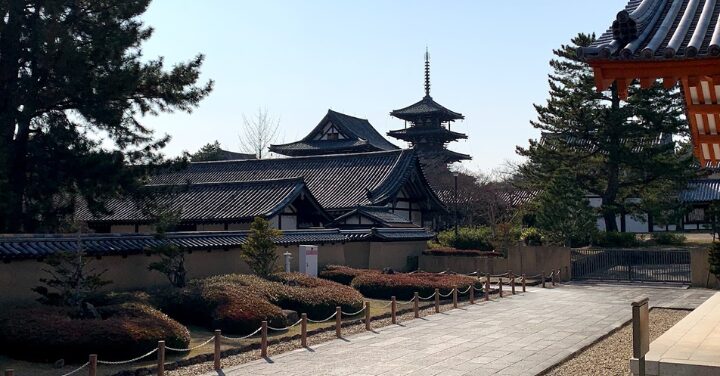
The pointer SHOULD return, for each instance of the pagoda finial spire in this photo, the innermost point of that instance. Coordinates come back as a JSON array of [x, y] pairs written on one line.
[[427, 72]]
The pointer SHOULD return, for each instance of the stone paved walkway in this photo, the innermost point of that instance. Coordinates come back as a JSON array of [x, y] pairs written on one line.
[[521, 335]]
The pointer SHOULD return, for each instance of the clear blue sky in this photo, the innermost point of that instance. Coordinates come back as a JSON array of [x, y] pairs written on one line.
[[365, 58]]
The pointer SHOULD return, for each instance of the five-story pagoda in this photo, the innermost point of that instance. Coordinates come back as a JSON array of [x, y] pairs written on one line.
[[430, 127]]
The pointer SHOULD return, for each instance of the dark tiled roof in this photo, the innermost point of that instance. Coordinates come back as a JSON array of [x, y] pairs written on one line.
[[18, 247], [226, 155], [339, 182], [701, 191], [361, 137], [416, 132], [661, 29], [389, 234], [211, 202], [381, 215], [426, 107]]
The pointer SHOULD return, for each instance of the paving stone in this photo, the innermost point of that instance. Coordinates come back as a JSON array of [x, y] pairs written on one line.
[[520, 335]]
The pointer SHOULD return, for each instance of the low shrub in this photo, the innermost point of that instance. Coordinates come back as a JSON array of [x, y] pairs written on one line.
[[342, 274], [668, 238], [51, 333], [460, 252], [616, 239], [475, 238], [403, 286], [531, 236], [238, 303]]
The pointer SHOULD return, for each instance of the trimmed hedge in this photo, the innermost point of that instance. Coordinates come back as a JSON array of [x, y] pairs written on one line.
[[51, 333], [403, 286], [475, 238], [238, 303], [343, 274], [460, 252], [616, 239], [668, 238]]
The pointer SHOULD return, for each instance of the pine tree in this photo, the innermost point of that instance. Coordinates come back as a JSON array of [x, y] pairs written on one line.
[[70, 71], [209, 152], [259, 247], [563, 213], [617, 151]]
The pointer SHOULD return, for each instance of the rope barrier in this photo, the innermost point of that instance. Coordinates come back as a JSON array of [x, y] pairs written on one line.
[[130, 360], [353, 313], [191, 348], [285, 328], [428, 298], [498, 275], [448, 294], [76, 370], [327, 319], [405, 303], [466, 290], [244, 337], [387, 305]]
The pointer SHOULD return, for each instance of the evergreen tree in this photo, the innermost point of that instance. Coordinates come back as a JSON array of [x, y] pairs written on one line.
[[563, 212], [209, 152], [71, 71], [259, 247], [172, 257], [616, 151]]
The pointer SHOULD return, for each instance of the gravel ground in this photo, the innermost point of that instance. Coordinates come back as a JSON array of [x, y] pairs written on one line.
[[611, 355], [199, 369]]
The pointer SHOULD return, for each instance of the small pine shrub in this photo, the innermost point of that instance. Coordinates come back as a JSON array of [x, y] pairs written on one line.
[[668, 238], [616, 239], [532, 236], [476, 238]]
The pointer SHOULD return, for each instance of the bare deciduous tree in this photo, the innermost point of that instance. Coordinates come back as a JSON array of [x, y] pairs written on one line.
[[258, 133]]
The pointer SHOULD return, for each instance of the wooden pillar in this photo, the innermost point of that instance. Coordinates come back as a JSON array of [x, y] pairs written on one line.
[[216, 352], [263, 339], [161, 358], [92, 367], [487, 288], [416, 304], [500, 283], [338, 322], [367, 316], [437, 300], [454, 296], [393, 309], [543, 279], [303, 330], [522, 279], [512, 283], [472, 293]]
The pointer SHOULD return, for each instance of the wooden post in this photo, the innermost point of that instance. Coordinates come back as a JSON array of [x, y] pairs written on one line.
[[472, 293], [92, 367], [9, 372], [523, 282], [455, 292], [216, 353], [500, 287], [641, 333], [263, 340], [303, 330], [367, 316], [437, 300], [416, 303], [552, 278], [338, 322], [487, 288], [543, 279], [393, 309], [161, 358], [559, 276], [512, 283]]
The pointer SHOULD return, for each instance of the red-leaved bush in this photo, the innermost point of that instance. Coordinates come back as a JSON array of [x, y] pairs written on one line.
[[403, 286], [51, 333], [343, 274]]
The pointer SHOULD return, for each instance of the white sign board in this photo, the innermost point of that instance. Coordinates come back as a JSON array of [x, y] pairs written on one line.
[[309, 260]]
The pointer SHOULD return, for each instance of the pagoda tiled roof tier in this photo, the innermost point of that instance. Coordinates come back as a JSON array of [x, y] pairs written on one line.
[[211, 202], [35, 246], [418, 132], [426, 107], [660, 30], [359, 136], [339, 182], [448, 156]]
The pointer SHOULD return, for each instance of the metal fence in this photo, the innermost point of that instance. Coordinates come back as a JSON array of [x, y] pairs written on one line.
[[631, 265]]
